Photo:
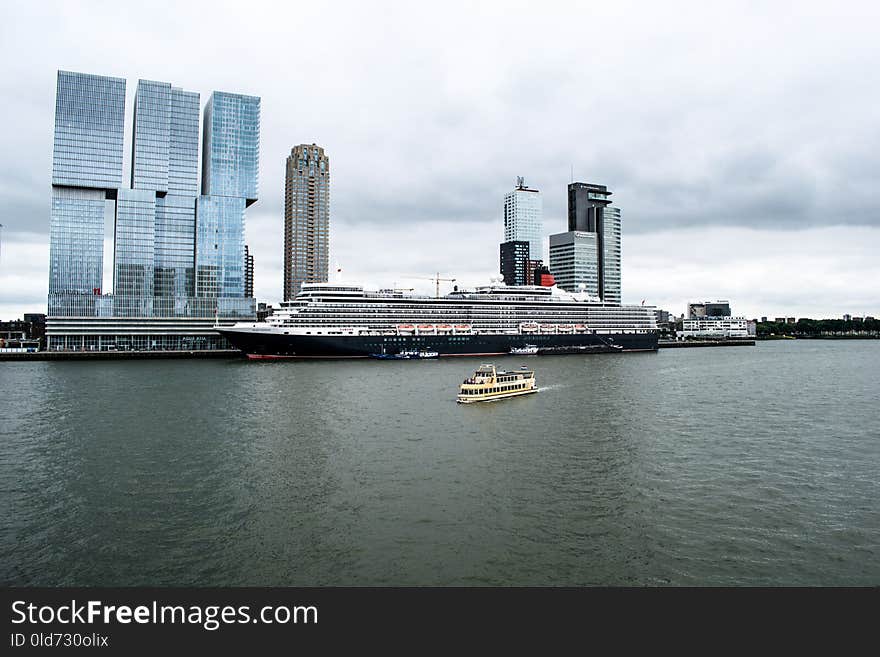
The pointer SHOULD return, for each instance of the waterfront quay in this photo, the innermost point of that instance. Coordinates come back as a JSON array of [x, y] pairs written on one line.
[[679, 344]]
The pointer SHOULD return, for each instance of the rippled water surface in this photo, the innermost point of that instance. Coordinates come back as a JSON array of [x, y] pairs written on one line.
[[725, 466]]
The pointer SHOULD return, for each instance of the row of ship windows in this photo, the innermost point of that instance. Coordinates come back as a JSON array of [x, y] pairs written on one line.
[[483, 391]]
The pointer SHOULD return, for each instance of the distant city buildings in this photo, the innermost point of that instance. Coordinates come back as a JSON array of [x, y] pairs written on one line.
[[665, 321], [179, 261], [306, 218], [524, 218], [588, 256], [714, 320], [718, 326], [27, 334], [708, 309]]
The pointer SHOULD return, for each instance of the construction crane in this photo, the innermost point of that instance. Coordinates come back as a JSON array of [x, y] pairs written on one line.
[[436, 280]]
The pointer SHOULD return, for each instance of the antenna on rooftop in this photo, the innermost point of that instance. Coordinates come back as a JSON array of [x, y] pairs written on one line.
[[520, 182]]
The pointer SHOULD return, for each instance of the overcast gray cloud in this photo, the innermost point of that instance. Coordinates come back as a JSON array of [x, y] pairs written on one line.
[[696, 115]]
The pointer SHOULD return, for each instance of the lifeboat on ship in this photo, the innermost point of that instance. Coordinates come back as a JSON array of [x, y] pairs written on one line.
[[427, 328], [405, 328], [579, 328], [566, 328], [528, 327], [462, 328], [444, 328], [548, 328]]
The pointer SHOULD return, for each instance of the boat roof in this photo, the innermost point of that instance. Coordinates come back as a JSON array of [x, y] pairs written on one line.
[[490, 368]]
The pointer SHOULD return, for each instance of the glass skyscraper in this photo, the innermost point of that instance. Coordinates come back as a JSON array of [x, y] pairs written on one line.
[[231, 146], [86, 172], [611, 255], [230, 179], [163, 227], [306, 218], [524, 218]]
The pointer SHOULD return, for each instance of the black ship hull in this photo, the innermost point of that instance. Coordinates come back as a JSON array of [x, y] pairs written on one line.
[[271, 345]]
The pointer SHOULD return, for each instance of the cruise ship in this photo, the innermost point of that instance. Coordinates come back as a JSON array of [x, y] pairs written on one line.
[[336, 320]]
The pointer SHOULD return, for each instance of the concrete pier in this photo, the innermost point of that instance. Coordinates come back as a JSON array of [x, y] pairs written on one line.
[[679, 344]]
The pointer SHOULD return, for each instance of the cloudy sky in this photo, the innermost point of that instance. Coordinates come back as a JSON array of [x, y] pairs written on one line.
[[741, 140]]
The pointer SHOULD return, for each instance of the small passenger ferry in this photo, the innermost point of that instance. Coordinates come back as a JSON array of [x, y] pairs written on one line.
[[487, 385]]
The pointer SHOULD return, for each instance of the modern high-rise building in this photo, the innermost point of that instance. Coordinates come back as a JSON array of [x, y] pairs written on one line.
[[611, 260], [248, 272], [163, 229], [524, 218], [588, 256], [86, 175], [515, 263], [306, 218], [230, 172]]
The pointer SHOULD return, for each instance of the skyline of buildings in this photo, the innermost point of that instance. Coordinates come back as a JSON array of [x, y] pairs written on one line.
[[306, 218], [159, 270], [179, 259]]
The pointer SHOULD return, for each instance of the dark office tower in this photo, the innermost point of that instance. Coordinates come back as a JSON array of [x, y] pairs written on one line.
[[515, 262], [585, 204], [306, 218], [587, 257], [248, 272]]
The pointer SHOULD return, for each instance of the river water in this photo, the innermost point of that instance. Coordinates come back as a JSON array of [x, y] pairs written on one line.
[[720, 466]]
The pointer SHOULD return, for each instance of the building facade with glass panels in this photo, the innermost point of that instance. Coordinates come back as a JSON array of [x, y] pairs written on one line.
[[306, 218], [174, 246], [86, 173], [89, 123], [611, 290], [155, 303], [76, 240], [151, 136], [220, 246], [134, 246], [183, 149], [524, 218], [231, 146], [574, 261]]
